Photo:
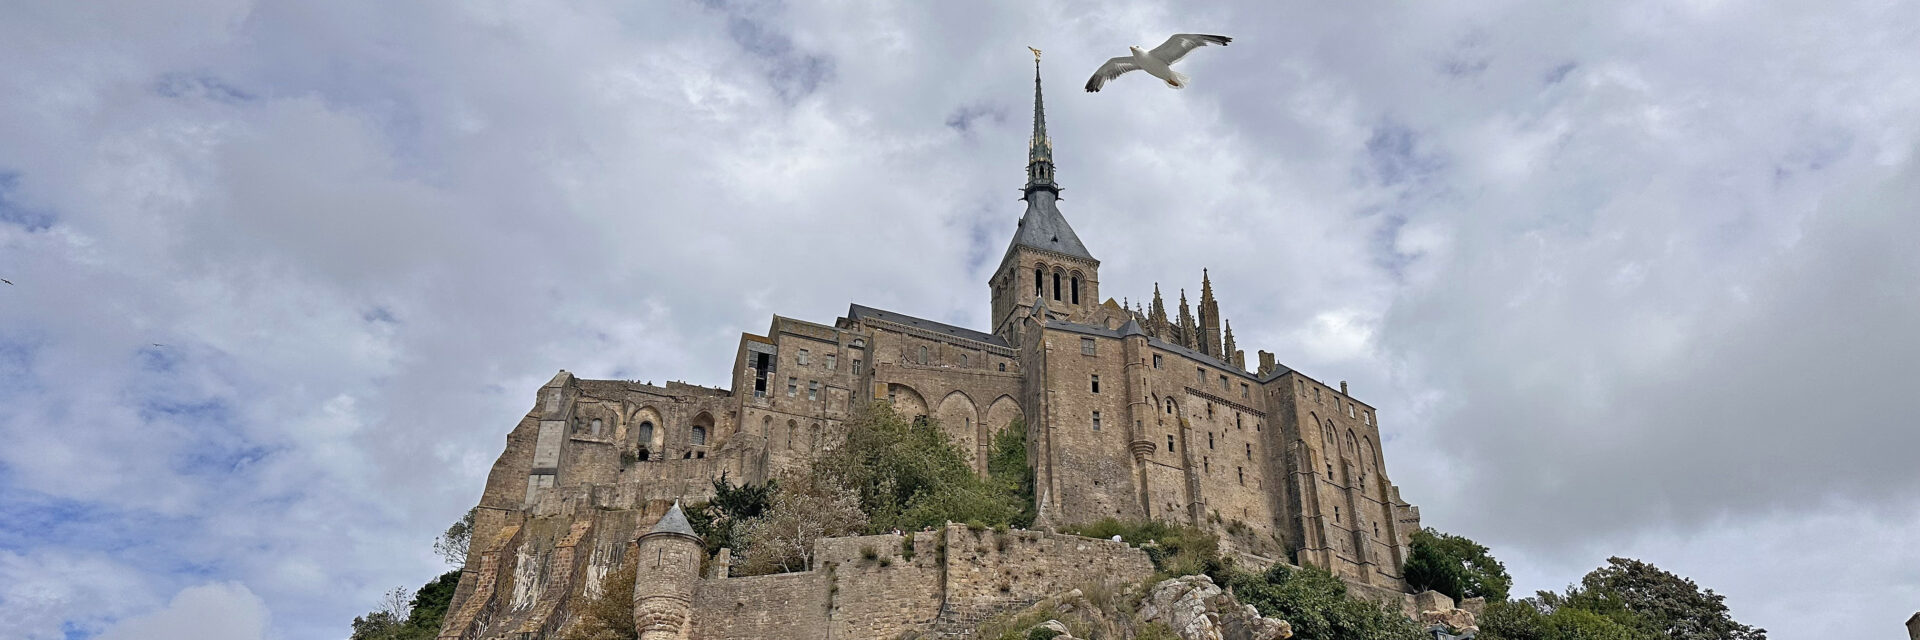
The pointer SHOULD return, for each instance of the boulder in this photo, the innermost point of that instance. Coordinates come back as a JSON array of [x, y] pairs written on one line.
[[1459, 620], [1197, 609]]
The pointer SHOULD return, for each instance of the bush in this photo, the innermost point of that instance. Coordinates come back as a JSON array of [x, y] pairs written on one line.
[[1456, 566], [908, 475], [1176, 550], [1316, 603]]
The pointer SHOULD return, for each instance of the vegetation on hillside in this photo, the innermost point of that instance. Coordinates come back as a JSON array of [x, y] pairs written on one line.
[[404, 617], [1625, 600], [1456, 566], [607, 615]]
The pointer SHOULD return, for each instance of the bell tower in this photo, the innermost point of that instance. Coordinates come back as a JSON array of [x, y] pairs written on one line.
[[1046, 259]]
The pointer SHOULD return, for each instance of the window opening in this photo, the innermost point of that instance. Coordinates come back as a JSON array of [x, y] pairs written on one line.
[[1075, 284], [831, 361], [793, 386], [813, 389], [1096, 383], [802, 358], [1086, 346], [1096, 421], [1056, 287]]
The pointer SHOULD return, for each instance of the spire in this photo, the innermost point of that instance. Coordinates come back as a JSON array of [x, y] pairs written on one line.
[[1210, 320], [1231, 352], [1157, 314], [1040, 147], [1188, 330]]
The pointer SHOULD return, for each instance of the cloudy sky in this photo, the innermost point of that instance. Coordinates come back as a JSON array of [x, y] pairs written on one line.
[[1629, 278]]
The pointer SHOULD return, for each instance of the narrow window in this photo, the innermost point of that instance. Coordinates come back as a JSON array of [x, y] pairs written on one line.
[[1329, 471], [1376, 528], [1169, 444], [1236, 421], [1209, 411], [1096, 383], [923, 355], [1156, 361], [1038, 289], [1349, 409], [646, 434], [813, 389], [1242, 472], [1056, 287], [1336, 514], [596, 426], [1003, 366], [761, 368], [1249, 451], [1245, 391], [802, 358], [1223, 383], [1075, 284], [1316, 395], [1169, 406], [1096, 421], [856, 366], [832, 362], [963, 360], [1086, 346], [1206, 465], [1368, 416], [699, 436], [1209, 439], [1200, 375], [793, 387]]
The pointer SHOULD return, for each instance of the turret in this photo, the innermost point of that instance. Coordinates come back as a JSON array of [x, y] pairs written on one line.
[[1209, 320], [668, 574]]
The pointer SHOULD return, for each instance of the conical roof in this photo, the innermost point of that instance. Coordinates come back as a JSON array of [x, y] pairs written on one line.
[[1044, 228], [674, 522]]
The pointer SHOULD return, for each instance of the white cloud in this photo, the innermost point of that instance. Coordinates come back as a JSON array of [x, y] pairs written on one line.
[[216, 611]]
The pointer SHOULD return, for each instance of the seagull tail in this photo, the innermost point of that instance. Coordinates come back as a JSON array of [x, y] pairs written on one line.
[[1179, 80]]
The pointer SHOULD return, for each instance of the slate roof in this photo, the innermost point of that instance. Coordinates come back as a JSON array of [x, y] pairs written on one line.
[[858, 312], [674, 522], [1044, 228]]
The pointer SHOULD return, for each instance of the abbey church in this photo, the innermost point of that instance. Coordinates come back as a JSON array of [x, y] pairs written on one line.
[[1131, 413]]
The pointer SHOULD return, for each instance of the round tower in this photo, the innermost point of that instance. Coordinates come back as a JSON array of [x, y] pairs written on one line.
[[668, 573]]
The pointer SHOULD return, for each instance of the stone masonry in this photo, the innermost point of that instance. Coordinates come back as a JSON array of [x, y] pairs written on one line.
[[1132, 413]]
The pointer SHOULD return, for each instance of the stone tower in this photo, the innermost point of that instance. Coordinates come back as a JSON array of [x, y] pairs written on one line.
[[664, 584], [1045, 259]]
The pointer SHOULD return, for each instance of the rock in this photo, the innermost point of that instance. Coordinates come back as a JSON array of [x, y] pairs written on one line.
[[1055, 625], [1196, 609], [1459, 620]]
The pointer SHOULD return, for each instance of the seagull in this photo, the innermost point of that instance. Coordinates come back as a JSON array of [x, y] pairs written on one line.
[[1157, 61], [9, 282]]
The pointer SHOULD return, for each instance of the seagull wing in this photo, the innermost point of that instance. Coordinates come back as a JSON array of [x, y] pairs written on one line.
[[1112, 69], [1177, 46]]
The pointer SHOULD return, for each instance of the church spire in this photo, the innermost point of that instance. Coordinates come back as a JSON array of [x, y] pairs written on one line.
[[1040, 147]]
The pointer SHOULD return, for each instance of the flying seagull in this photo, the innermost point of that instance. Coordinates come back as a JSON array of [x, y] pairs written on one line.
[[6, 281], [1156, 62]]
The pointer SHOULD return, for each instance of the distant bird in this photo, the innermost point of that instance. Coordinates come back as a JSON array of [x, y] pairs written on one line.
[[1156, 62], [9, 282]]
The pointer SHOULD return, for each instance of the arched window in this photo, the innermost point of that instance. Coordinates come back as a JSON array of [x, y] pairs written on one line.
[[1056, 286], [646, 434], [1169, 406], [1039, 272], [1075, 283], [596, 427], [699, 436], [923, 355], [791, 428]]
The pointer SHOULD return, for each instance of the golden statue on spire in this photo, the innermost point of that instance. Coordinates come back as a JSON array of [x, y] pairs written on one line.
[[1036, 53]]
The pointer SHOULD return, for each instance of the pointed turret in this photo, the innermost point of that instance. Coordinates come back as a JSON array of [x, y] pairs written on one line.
[[1188, 330], [1157, 314], [1229, 340], [1044, 250], [1209, 319]]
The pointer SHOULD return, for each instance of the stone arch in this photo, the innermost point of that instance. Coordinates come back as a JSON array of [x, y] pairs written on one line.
[[906, 402], [813, 438], [960, 419], [648, 432], [1001, 415], [793, 430], [766, 428]]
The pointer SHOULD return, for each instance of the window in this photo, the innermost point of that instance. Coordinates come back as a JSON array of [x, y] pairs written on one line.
[[831, 362], [1056, 286], [1349, 409], [1209, 411], [1336, 514], [813, 389], [1249, 451], [1169, 406], [856, 366], [1096, 383], [923, 355], [1242, 472], [1376, 528], [1003, 366], [699, 436], [963, 360], [1075, 284], [762, 365], [1368, 416], [1223, 383], [646, 433], [596, 426], [1199, 375], [1316, 395], [1038, 289], [1329, 471], [1209, 439], [1169, 444], [802, 357], [1156, 361], [1096, 421], [1245, 391], [1206, 465], [1086, 346], [1237, 424], [793, 387]]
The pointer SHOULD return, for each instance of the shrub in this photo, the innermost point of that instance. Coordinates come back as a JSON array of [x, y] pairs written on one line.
[[1176, 550], [1316, 603], [1456, 566]]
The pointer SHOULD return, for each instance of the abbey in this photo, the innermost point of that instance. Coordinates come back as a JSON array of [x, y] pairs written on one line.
[[1139, 413]]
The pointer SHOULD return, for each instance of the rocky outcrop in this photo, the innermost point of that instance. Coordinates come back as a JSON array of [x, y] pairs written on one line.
[[1197, 609]]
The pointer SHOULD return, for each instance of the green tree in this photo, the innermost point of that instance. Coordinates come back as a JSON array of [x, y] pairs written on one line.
[[723, 521], [452, 543], [1317, 605], [1456, 566], [908, 475], [409, 617], [1660, 602], [1526, 620]]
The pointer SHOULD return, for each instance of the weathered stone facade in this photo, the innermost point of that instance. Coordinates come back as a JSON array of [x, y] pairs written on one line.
[[1130, 413]]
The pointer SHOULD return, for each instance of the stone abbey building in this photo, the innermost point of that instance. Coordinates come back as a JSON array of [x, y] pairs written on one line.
[[1140, 413]]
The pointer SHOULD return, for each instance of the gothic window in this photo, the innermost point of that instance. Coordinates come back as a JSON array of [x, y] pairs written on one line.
[[1075, 284], [1096, 421], [1056, 286], [1086, 346], [699, 436], [1096, 383]]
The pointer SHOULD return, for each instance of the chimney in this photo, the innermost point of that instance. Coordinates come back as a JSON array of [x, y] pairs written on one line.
[[1343, 388], [1266, 362]]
